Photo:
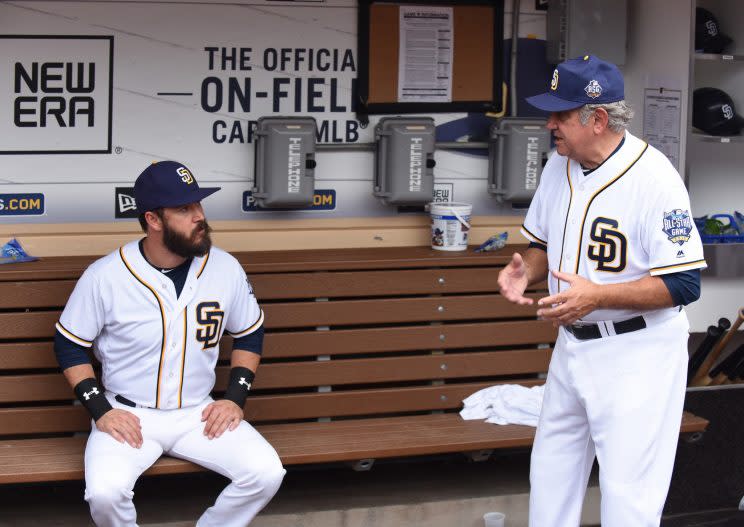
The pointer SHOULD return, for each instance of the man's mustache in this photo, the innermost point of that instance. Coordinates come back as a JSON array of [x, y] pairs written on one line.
[[202, 226]]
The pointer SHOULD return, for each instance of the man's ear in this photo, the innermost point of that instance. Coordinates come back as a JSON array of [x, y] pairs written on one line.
[[154, 221], [601, 120]]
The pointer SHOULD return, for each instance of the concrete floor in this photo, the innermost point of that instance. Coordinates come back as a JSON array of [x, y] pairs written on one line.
[[442, 491], [435, 492]]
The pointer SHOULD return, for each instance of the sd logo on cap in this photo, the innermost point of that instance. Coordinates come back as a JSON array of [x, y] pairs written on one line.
[[584, 80], [714, 113]]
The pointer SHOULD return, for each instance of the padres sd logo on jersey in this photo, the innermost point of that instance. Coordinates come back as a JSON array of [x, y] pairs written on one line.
[[611, 250], [209, 316]]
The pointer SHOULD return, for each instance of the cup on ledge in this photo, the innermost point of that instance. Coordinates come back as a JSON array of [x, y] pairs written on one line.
[[494, 519]]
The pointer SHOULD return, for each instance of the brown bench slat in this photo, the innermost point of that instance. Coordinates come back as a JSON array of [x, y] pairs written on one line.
[[263, 408], [299, 443], [389, 310], [370, 258], [56, 268], [411, 338], [366, 402], [340, 312], [307, 343], [54, 387], [397, 369], [375, 283], [35, 293], [343, 312], [43, 420], [27, 355], [297, 285], [64, 267], [38, 324]]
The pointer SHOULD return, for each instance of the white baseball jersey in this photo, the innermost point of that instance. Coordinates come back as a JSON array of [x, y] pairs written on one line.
[[628, 218], [156, 349]]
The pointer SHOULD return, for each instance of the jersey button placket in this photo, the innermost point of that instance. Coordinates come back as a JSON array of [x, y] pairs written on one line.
[[172, 362]]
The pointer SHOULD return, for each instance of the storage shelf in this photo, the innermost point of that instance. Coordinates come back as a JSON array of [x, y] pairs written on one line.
[[725, 260], [705, 138], [719, 58]]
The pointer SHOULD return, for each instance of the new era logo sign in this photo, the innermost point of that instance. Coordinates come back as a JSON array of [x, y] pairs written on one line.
[[56, 94], [125, 206]]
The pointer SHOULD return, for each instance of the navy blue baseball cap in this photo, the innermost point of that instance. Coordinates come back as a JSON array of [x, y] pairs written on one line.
[[167, 184], [576, 82]]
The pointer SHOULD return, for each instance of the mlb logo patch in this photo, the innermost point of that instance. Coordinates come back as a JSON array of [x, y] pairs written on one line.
[[677, 226], [593, 89]]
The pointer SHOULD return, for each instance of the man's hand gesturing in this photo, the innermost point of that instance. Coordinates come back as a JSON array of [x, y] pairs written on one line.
[[513, 281]]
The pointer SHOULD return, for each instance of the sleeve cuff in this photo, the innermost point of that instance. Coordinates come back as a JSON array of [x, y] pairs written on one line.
[[72, 337], [675, 268], [250, 329], [531, 237]]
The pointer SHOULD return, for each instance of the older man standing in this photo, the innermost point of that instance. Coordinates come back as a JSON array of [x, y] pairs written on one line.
[[611, 221]]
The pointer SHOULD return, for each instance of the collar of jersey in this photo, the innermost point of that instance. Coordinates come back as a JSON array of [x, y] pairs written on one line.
[[617, 162], [588, 171], [151, 274]]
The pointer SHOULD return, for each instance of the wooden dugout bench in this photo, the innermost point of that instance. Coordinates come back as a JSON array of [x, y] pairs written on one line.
[[368, 354]]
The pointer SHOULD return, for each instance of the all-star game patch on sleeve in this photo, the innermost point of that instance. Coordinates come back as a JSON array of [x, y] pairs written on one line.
[[672, 240]]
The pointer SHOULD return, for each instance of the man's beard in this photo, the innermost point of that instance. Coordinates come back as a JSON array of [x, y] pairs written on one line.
[[187, 246]]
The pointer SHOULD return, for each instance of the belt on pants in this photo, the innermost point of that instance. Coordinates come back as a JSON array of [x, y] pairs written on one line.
[[590, 330], [127, 402]]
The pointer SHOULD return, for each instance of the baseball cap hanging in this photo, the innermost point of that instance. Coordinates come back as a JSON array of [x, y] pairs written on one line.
[[580, 81], [714, 113], [708, 36], [167, 184]]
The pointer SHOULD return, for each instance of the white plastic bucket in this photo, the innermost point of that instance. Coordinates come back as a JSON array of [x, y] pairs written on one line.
[[494, 519], [450, 224]]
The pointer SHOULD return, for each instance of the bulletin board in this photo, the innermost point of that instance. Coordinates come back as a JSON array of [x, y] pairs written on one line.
[[477, 69]]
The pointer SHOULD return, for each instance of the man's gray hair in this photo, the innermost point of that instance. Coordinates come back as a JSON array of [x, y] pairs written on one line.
[[619, 113]]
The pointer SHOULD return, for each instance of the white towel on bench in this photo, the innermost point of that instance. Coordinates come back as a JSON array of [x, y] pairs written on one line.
[[505, 404]]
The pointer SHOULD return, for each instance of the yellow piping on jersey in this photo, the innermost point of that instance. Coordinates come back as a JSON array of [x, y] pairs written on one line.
[[678, 266], [71, 336], [183, 355], [597, 193], [162, 316], [531, 235], [253, 327], [565, 223], [204, 264]]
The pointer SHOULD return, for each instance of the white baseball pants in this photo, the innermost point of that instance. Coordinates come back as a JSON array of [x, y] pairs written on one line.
[[621, 397], [112, 468]]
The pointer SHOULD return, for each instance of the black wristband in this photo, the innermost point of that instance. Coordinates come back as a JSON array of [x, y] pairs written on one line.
[[91, 395], [239, 384]]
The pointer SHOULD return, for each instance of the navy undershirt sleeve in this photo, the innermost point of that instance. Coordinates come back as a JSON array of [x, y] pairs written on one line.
[[684, 286], [535, 245], [69, 353], [251, 342]]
